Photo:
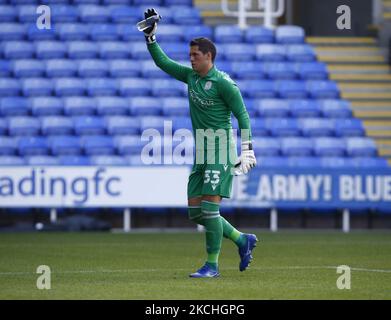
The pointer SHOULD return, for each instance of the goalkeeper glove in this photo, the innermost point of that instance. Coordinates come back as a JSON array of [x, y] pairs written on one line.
[[246, 160], [150, 32]]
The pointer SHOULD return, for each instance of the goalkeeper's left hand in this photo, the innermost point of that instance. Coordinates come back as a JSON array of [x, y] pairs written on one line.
[[150, 33], [247, 159]]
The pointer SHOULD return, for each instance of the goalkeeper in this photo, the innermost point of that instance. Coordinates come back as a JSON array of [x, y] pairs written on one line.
[[212, 98]]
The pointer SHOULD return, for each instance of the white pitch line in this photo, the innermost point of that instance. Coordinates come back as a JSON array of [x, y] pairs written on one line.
[[182, 269]]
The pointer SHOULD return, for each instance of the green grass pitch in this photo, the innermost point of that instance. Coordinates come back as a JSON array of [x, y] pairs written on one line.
[[286, 265]]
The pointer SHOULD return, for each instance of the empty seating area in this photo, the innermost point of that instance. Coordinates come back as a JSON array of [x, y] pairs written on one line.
[[84, 91]]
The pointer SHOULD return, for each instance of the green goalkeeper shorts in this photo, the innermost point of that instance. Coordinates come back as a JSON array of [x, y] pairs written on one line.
[[210, 179]]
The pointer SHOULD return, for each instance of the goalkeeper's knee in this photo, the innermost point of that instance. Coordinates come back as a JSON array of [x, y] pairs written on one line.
[[195, 214]]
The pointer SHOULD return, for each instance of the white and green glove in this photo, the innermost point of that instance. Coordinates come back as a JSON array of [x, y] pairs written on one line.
[[150, 33], [247, 159]]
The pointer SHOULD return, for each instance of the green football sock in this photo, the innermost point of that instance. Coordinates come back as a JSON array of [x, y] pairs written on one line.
[[214, 231], [195, 214], [231, 233]]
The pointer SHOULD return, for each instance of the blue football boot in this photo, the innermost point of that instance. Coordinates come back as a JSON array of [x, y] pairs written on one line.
[[245, 251], [205, 272]]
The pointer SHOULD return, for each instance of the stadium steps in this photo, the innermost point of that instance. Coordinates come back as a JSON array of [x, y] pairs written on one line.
[[359, 67]]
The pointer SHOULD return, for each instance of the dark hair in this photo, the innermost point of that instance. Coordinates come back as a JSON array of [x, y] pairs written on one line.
[[205, 46]]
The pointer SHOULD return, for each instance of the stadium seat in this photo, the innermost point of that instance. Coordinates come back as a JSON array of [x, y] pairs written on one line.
[[69, 87], [56, 68], [98, 145], [122, 14], [176, 51], [296, 146], [258, 34], [319, 89], [272, 162], [147, 2], [35, 34], [8, 13], [272, 108], [72, 31], [139, 50], [112, 106], [300, 53], [145, 106], [369, 162], [14, 106], [18, 49], [46, 106], [83, 50], [12, 161], [50, 50], [282, 127], [170, 33], [12, 31], [289, 34], [104, 32], [134, 87], [122, 125], [56, 125], [114, 50], [8, 146], [9, 87], [258, 127], [89, 125], [360, 147], [167, 88], [5, 68], [335, 108], [243, 70], [186, 16], [27, 13], [42, 160], [304, 162], [302, 108], [261, 89], [151, 71], [178, 2], [105, 160], [175, 107], [28, 68], [329, 147], [228, 33], [197, 31], [291, 89], [280, 70], [181, 122], [74, 160], [349, 128], [64, 13], [3, 126], [32, 146], [151, 122], [312, 70], [250, 106], [124, 68], [94, 14], [129, 33], [317, 127], [336, 162], [129, 145], [237, 51], [23, 126], [93, 68], [37, 87], [79, 106], [270, 52], [266, 146]]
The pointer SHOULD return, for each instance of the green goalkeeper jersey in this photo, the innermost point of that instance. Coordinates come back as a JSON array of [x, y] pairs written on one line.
[[212, 98]]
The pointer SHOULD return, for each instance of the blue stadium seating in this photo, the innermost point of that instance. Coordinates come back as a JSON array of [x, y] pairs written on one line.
[[5, 68], [237, 51], [300, 53], [27, 13], [270, 52], [91, 68], [82, 50], [303, 108], [61, 68], [78, 106], [152, 122], [335, 108], [243, 70], [336, 162], [227, 33], [349, 128], [125, 14], [280, 70], [175, 107], [112, 106], [291, 89], [181, 123], [176, 51], [304, 161], [369, 162], [128, 32], [272, 108], [25, 68], [23, 126], [186, 16], [14, 106], [46, 106], [37, 87], [257, 88], [258, 127], [329, 147], [98, 145], [74, 160], [129, 145], [9, 87], [198, 31], [258, 34], [134, 87], [170, 33], [64, 13], [168, 88], [104, 32], [89, 125], [106, 160], [322, 89], [51, 50], [122, 125], [272, 162], [35, 34], [41, 160], [360, 147], [317, 127], [56, 125], [72, 31], [312, 70], [12, 161], [8, 13], [69, 87], [266, 146], [94, 14], [151, 71], [296, 146], [18, 49], [12, 31], [289, 34], [31, 146], [3, 126], [282, 127], [120, 68], [144, 106], [7, 146], [114, 50]]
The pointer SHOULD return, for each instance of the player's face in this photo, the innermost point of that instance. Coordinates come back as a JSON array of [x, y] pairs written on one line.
[[199, 61]]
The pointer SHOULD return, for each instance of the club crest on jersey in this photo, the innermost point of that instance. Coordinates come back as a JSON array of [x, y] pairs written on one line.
[[208, 85]]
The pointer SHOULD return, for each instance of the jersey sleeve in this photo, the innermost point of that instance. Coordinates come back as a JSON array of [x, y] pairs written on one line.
[[232, 97], [174, 69]]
